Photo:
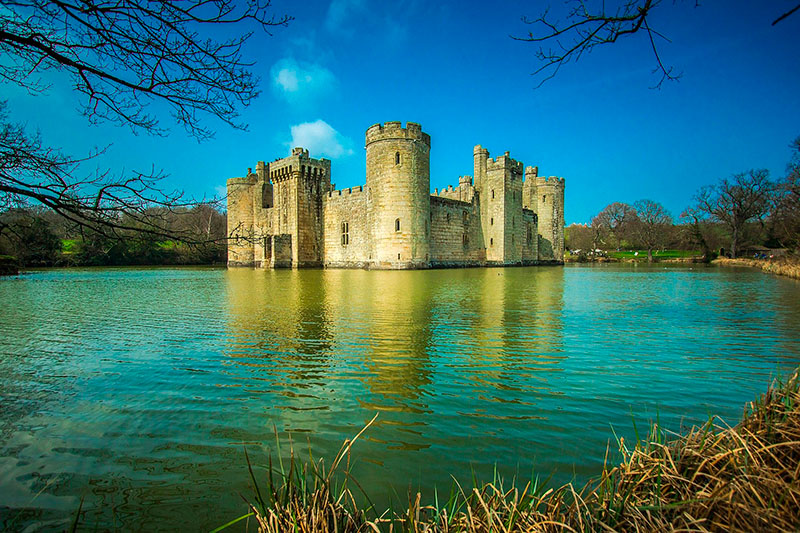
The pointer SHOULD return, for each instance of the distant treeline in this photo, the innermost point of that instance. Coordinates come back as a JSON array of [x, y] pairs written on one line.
[[37, 236], [736, 215]]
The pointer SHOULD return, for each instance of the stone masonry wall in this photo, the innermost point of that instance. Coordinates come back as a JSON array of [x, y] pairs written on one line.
[[455, 233], [346, 206], [287, 213]]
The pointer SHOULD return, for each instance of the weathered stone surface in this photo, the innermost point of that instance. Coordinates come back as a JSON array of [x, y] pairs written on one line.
[[288, 214]]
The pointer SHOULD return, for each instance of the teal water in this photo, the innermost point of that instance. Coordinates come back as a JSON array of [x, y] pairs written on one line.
[[138, 389]]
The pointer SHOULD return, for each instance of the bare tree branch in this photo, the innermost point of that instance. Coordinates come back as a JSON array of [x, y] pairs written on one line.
[[587, 27], [592, 23], [125, 56], [125, 59]]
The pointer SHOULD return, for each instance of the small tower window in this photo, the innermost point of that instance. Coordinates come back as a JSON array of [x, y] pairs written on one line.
[[464, 216], [491, 221], [491, 242], [397, 158], [397, 224], [345, 233], [492, 194], [448, 217], [544, 198], [464, 239]]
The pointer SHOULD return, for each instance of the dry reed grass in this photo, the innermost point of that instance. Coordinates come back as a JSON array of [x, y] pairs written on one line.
[[715, 478], [787, 266]]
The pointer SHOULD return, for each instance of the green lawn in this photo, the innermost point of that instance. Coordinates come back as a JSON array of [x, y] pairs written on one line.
[[661, 254], [69, 246]]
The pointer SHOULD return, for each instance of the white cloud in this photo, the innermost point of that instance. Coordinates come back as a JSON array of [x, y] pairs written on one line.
[[340, 14], [221, 191], [296, 80], [320, 139]]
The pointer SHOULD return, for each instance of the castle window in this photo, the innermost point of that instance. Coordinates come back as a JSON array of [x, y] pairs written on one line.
[[491, 221], [492, 194], [397, 224], [397, 158], [266, 196], [513, 221], [491, 242], [345, 233], [464, 216], [544, 198], [464, 239], [448, 217], [530, 234]]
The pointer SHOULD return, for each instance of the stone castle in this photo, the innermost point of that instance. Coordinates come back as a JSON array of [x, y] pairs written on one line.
[[288, 213]]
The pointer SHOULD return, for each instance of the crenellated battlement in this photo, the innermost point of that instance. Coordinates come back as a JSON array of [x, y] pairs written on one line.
[[287, 213], [346, 192], [550, 181], [299, 164], [504, 162], [395, 131]]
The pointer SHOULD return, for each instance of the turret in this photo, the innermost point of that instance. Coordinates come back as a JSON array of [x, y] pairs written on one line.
[[550, 209], [240, 220], [398, 181], [479, 156]]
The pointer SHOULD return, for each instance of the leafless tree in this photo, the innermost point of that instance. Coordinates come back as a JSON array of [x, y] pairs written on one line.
[[651, 226], [734, 202], [614, 220], [124, 59], [696, 225], [592, 23], [786, 216]]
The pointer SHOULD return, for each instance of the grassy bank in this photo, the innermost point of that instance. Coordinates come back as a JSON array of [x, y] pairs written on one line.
[[636, 256], [783, 267], [714, 478]]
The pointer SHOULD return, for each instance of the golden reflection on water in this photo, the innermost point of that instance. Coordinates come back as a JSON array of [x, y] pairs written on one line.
[[395, 332], [139, 387]]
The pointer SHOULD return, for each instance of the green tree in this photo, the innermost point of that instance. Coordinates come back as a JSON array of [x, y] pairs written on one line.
[[29, 237]]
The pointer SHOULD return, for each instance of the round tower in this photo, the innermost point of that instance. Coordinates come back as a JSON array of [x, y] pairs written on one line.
[[550, 211], [399, 185], [240, 220]]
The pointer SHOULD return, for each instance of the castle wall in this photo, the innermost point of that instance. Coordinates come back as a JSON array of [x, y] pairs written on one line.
[[353, 249], [529, 238], [550, 211], [503, 210], [398, 187], [455, 233], [240, 217], [287, 213]]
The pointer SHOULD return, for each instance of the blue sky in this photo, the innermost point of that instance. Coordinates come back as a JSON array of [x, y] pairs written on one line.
[[343, 65]]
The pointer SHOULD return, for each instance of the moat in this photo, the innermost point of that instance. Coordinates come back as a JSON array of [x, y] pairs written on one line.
[[137, 389]]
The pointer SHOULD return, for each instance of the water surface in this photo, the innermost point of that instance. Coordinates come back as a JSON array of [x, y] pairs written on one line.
[[138, 389]]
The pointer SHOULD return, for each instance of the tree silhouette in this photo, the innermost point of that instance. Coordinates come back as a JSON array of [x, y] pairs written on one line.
[[734, 202], [590, 24], [651, 225], [124, 59]]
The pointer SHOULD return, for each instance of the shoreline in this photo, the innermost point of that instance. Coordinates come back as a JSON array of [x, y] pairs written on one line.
[[780, 267], [711, 478]]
